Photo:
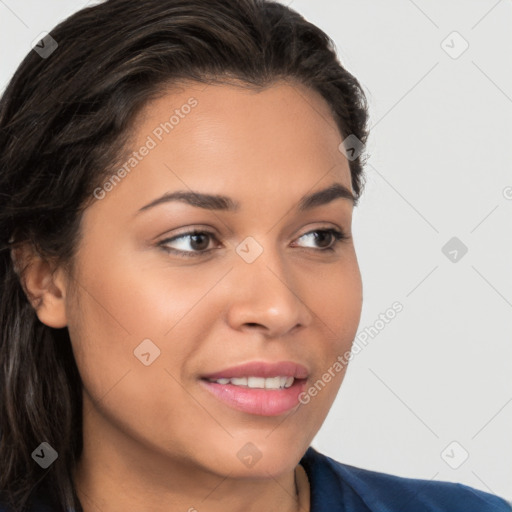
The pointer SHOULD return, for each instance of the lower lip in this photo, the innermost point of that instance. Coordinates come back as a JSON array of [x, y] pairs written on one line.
[[263, 402]]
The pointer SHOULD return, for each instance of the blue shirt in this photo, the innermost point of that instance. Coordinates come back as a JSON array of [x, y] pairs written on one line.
[[337, 487]]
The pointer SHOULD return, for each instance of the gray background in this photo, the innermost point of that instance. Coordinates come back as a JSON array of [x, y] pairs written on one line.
[[439, 167]]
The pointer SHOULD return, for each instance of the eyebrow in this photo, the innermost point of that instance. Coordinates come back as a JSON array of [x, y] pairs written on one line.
[[224, 203]]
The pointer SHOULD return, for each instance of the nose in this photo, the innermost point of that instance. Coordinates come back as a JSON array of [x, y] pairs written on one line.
[[265, 295]]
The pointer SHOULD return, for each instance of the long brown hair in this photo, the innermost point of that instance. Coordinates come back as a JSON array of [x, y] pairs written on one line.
[[64, 120]]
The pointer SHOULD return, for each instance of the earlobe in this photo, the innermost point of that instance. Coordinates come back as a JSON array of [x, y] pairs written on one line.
[[44, 286]]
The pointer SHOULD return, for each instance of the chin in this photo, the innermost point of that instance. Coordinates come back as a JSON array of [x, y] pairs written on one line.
[[260, 455]]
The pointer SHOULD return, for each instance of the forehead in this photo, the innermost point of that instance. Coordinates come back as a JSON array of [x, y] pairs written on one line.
[[233, 130], [265, 148]]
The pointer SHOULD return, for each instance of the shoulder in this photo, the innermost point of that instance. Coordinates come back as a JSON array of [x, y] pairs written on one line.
[[336, 486]]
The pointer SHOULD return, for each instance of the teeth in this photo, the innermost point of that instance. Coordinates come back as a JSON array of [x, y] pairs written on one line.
[[289, 382], [239, 381], [255, 382], [258, 382], [273, 383]]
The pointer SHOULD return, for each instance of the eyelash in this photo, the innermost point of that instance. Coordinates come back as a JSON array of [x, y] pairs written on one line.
[[338, 235]]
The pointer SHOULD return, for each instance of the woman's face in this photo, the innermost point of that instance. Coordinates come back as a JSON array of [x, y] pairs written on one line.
[[261, 285]]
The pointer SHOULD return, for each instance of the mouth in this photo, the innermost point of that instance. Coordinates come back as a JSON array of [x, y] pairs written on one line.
[[259, 388], [257, 382]]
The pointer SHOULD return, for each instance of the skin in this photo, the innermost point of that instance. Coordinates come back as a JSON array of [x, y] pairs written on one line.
[[154, 439]]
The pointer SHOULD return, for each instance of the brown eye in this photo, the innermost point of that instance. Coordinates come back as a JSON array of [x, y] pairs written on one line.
[[199, 242], [325, 238], [193, 243]]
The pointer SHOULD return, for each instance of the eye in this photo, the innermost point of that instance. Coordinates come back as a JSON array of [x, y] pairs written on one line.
[[327, 238], [197, 240]]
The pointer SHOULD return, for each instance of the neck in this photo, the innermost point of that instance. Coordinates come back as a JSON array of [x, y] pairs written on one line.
[[116, 473], [103, 491]]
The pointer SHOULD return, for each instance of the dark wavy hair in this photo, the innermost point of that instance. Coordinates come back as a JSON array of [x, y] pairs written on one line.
[[64, 123]]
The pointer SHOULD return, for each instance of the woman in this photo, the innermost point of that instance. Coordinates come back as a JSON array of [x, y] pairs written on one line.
[[140, 368]]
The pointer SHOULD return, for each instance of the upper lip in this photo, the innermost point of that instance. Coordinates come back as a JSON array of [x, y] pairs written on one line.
[[262, 369]]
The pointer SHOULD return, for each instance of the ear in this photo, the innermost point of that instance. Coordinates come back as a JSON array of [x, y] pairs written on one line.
[[44, 285]]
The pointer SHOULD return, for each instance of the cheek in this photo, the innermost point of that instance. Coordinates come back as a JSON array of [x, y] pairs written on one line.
[[126, 297], [117, 308], [335, 296], [121, 305], [106, 326]]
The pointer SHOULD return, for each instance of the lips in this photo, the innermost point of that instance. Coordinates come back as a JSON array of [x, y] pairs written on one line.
[[261, 369], [259, 388]]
